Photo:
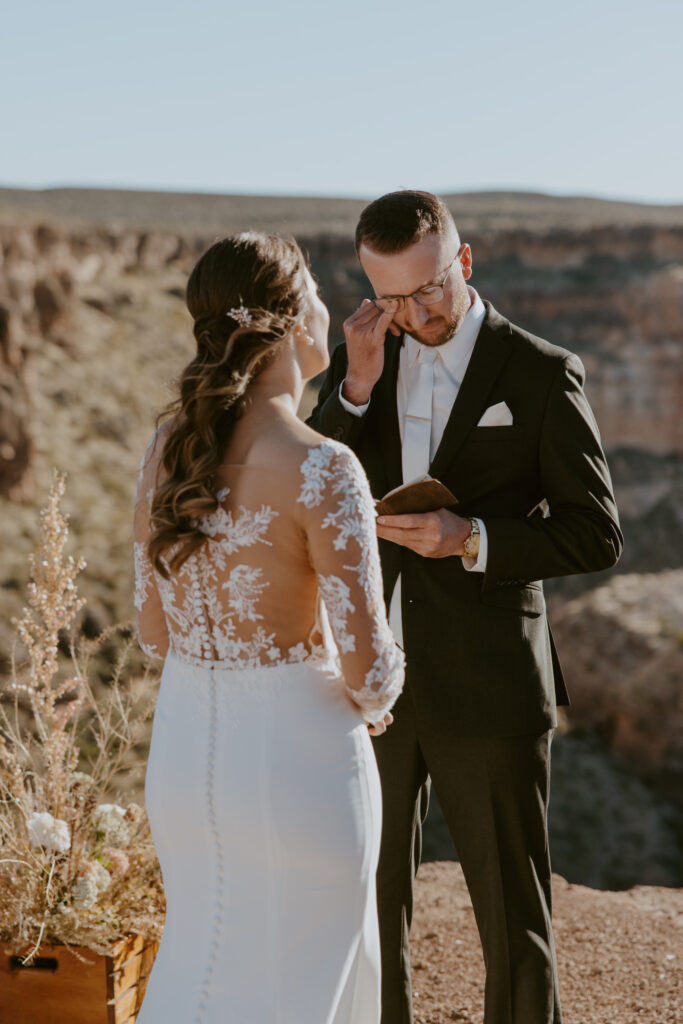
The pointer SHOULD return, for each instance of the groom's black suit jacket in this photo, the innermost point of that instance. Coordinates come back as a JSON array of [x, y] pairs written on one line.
[[480, 657]]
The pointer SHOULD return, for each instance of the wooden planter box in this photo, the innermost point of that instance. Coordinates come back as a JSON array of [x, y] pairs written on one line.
[[57, 988]]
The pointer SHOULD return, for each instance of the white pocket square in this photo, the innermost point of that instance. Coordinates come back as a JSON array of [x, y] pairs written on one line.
[[496, 416]]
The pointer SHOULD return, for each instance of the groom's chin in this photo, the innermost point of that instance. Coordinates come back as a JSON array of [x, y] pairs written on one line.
[[439, 335]]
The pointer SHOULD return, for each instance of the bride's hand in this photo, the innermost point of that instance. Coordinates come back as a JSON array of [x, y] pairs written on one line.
[[379, 727]]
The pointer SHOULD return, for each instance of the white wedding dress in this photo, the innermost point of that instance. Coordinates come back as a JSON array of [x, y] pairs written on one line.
[[262, 788]]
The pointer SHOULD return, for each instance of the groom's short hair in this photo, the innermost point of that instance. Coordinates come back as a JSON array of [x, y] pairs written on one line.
[[399, 219]]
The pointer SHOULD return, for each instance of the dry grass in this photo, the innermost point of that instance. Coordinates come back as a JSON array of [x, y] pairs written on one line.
[[75, 868]]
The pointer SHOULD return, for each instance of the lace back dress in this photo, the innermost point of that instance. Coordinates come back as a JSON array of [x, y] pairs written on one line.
[[262, 788]]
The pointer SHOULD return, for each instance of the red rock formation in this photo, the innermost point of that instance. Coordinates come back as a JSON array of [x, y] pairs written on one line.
[[43, 270], [15, 440], [621, 646]]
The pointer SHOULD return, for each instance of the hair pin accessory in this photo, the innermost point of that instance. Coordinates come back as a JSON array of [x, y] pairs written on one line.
[[241, 314]]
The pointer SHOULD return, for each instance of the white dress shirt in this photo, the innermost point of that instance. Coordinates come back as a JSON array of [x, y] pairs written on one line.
[[450, 364]]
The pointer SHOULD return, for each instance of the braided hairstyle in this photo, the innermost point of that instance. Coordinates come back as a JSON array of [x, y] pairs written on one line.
[[245, 295]]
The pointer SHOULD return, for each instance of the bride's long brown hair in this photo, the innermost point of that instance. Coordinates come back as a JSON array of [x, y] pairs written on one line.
[[264, 275]]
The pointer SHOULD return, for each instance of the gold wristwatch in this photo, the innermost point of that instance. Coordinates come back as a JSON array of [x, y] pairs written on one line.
[[471, 545]]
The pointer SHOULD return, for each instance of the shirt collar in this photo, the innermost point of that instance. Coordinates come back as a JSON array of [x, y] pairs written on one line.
[[461, 344]]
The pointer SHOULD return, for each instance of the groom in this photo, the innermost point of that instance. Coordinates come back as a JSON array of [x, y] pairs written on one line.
[[434, 380]]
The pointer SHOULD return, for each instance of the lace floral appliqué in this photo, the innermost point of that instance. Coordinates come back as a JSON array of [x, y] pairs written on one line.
[[215, 609], [331, 469], [201, 612]]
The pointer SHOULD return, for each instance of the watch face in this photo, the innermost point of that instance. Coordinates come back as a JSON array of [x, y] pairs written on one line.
[[471, 544]]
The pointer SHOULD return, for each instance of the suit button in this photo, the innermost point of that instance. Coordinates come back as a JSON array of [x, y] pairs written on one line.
[[338, 433]]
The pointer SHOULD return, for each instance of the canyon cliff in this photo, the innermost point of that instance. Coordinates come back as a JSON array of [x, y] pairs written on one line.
[[93, 327]]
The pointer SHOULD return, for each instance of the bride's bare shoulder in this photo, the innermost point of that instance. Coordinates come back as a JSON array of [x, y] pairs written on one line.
[[307, 436], [294, 441]]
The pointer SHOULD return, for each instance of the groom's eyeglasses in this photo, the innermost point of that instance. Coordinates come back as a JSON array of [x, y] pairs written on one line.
[[425, 296]]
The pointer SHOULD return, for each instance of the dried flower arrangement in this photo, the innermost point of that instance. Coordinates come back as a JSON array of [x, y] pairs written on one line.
[[75, 867]]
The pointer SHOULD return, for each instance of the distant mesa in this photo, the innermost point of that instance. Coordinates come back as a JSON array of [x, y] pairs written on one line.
[[218, 213]]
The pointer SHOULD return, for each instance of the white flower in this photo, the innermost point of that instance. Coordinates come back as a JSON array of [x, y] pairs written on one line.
[[99, 875], [92, 880], [48, 832], [118, 861], [109, 818], [84, 892]]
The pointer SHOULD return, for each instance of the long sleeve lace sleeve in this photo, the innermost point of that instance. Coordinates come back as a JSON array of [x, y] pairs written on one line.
[[342, 541], [151, 621]]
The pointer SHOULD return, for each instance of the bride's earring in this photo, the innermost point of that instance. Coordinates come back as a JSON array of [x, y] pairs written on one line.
[[304, 336]]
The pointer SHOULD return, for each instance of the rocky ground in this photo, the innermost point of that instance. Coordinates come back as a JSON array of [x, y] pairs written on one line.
[[620, 954]]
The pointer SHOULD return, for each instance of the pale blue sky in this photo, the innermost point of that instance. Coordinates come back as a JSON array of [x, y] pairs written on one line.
[[352, 98]]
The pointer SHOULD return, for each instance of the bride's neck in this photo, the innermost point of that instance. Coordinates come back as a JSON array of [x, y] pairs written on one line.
[[278, 388]]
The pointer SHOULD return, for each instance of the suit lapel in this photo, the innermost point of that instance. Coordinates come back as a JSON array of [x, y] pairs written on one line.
[[385, 396], [491, 351]]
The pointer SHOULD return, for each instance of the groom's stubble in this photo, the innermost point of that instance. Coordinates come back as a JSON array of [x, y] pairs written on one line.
[[461, 301]]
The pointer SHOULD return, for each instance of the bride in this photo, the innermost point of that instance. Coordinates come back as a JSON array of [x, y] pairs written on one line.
[[258, 582]]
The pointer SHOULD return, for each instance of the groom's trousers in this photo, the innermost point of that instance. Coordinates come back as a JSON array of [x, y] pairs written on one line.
[[494, 795]]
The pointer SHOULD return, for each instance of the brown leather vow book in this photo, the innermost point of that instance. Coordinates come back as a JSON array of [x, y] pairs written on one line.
[[424, 495]]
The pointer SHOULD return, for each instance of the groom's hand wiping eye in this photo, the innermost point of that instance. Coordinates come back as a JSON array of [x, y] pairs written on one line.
[[365, 331]]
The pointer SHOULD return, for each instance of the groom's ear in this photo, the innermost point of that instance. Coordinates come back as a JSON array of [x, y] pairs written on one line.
[[465, 257]]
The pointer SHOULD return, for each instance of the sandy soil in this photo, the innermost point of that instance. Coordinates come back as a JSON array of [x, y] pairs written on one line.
[[620, 954]]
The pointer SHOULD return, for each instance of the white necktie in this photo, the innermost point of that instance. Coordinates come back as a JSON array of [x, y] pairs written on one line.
[[417, 435], [417, 428]]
